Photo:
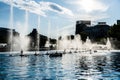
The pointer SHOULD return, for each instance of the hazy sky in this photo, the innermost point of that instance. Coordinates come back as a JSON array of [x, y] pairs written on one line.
[[61, 14]]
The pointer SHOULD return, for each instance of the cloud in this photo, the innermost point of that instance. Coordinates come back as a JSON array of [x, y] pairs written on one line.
[[49, 6], [89, 5], [89, 9], [92, 17], [39, 8], [55, 8], [31, 6]]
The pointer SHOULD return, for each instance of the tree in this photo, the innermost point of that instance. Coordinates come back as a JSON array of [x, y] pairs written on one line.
[[115, 31]]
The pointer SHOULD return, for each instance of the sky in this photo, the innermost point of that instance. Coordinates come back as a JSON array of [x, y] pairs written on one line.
[[57, 17]]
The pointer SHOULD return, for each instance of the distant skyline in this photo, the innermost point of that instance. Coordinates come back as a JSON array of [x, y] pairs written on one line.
[[62, 14]]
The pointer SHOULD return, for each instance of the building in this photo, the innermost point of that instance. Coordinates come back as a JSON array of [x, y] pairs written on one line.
[[81, 25], [87, 22], [118, 22], [93, 32], [101, 23]]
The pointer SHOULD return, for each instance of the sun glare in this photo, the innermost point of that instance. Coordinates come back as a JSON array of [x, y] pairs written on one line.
[[87, 5], [91, 5]]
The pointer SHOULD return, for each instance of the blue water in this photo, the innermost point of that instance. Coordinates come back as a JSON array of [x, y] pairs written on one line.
[[68, 67]]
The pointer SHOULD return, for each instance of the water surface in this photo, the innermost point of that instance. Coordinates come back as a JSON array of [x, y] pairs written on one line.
[[75, 66]]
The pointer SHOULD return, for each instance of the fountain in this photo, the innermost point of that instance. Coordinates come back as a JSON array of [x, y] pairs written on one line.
[[108, 44], [78, 41], [23, 38], [57, 38], [47, 45], [76, 45], [88, 44], [37, 47], [11, 26], [64, 44], [16, 43]]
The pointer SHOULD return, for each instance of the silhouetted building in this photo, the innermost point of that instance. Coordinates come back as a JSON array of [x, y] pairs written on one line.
[[5, 38], [5, 34], [81, 25], [118, 22], [34, 39], [93, 32], [101, 23], [86, 22], [42, 40], [97, 31]]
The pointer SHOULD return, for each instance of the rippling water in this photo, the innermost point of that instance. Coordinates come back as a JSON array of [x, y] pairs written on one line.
[[75, 66]]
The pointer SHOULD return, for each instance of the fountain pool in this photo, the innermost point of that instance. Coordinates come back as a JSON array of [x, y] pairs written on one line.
[[68, 67]]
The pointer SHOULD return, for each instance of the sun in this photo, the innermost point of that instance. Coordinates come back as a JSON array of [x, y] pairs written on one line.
[[87, 5]]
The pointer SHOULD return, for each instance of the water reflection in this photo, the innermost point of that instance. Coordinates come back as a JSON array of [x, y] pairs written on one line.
[[69, 67]]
